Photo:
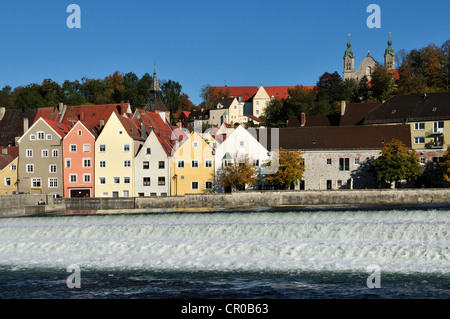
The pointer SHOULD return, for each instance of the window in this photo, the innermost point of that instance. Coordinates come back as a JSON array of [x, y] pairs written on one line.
[[127, 180], [339, 183], [126, 193], [161, 181], [86, 162], [87, 178], [344, 164], [105, 194], [127, 163], [40, 135], [79, 133], [13, 167], [255, 162], [55, 153], [257, 102], [29, 153], [115, 194], [438, 127], [153, 194], [126, 147], [120, 132], [208, 163], [73, 148], [195, 144], [422, 160], [52, 168], [357, 162], [7, 181], [36, 182], [257, 112], [180, 164], [86, 148], [194, 164], [163, 194], [419, 126], [49, 137], [102, 164], [146, 165], [102, 148], [53, 182], [329, 161], [73, 178], [146, 181], [161, 164], [149, 150], [44, 153], [241, 143], [208, 185], [32, 137], [30, 168], [116, 180], [419, 140], [194, 185], [102, 180]]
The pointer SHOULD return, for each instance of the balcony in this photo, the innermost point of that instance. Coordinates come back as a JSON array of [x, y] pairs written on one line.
[[435, 145], [437, 131]]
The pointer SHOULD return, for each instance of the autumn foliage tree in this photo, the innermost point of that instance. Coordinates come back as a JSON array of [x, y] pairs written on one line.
[[291, 167], [237, 174], [445, 166], [396, 163]]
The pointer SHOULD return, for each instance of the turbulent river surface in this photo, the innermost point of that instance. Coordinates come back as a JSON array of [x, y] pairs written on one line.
[[298, 254]]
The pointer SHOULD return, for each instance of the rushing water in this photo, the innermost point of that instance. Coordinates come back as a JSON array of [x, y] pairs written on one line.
[[279, 254]]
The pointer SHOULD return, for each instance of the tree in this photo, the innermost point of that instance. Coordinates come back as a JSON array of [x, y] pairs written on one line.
[[445, 165], [171, 96], [291, 167], [382, 83], [72, 93], [396, 162], [363, 90], [274, 115], [186, 103], [6, 97], [115, 86], [238, 174]]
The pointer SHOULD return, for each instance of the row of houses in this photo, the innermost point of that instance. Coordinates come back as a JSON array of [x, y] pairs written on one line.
[[109, 151]]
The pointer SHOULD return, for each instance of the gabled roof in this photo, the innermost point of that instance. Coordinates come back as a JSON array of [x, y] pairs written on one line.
[[59, 128], [132, 127], [355, 113], [281, 92], [199, 115], [338, 137], [254, 118], [11, 125], [245, 92], [6, 159], [314, 120], [224, 103], [411, 107], [75, 127]]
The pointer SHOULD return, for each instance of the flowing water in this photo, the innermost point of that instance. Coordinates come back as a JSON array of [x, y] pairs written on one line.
[[262, 254]]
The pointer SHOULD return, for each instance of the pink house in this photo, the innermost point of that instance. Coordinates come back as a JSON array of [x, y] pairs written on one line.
[[78, 162]]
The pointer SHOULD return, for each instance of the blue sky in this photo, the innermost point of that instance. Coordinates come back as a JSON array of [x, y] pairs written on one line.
[[198, 42]]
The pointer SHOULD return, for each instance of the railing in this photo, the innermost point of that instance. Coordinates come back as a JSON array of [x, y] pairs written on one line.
[[435, 145]]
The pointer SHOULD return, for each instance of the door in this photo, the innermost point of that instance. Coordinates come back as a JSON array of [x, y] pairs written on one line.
[[86, 192]]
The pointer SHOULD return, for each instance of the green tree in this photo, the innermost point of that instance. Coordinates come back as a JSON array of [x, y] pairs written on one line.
[[382, 84], [274, 114], [291, 167], [238, 174], [396, 162], [363, 91], [6, 97], [72, 93], [171, 96], [445, 166]]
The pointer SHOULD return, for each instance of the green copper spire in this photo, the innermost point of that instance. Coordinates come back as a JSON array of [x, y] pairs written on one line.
[[349, 51], [389, 49]]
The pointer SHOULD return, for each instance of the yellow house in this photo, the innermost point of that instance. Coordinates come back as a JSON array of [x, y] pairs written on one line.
[[8, 173], [115, 150], [192, 166]]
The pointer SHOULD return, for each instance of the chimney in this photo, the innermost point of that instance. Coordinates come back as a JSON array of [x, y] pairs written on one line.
[[303, 119], [60, 107], [343, 104], [2, 112], [102, 123], [5, 151], [82, 116], [143, 131], [25, 124]]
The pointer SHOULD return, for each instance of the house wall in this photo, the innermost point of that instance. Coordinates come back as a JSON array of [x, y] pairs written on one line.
[[9, 172], [185, 176], [318, 173], [77, 161], [429, 134], [41, 164], [215, 117], [260, 101], [157, 154], [114, 158]]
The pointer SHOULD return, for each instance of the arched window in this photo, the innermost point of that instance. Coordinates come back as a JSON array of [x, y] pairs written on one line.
[[368, 70]]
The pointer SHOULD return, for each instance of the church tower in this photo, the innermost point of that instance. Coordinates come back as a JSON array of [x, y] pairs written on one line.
[[155, 103], [389, 55], [349, 61]]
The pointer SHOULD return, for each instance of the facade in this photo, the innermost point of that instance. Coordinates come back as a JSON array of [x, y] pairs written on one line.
[[238, 144], [8, 170], [115, 149], [79, 162], [226, 110], [152, 166], [41, 158], [192, 166]]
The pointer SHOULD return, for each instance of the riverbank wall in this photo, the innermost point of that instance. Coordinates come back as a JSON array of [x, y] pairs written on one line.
[[26, 205]]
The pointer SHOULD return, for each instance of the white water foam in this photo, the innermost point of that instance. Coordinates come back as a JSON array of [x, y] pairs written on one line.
[[398, 241]]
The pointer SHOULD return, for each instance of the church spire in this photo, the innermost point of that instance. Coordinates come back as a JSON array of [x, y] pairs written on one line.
[[349, 51], [389, 55], [154, 92]]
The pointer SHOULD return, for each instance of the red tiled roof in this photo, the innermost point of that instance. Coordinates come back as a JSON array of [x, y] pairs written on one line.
[[59, 128], [132, 127], [281, 92], [254, 118], [245, 92], [5, 159]]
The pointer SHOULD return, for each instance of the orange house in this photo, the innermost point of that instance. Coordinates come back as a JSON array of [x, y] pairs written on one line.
[[78, 162]]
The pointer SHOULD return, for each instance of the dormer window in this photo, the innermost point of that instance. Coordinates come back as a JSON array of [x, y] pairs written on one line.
[[393, 111]]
